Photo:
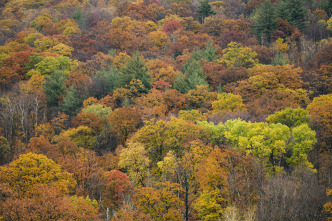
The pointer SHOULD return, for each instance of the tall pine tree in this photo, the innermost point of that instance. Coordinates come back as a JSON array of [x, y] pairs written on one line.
[[283, 11], [297, 13], [72, 102], [265, 20], [135, 68], [191, 77], [54, 87], [327, 6], [204, 10]]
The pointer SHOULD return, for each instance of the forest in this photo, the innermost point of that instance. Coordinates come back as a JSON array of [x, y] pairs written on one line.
[[160, 110]]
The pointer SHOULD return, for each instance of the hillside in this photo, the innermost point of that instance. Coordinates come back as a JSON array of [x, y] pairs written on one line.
[[166, 110]]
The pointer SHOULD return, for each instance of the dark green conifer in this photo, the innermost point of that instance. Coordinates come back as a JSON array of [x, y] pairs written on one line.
[[135, 68], [265, 20], [297, 13], [54, 87], [72, 102], [204, 10]]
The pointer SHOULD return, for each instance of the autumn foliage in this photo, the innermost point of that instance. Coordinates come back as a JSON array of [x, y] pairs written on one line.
[[165, 110]]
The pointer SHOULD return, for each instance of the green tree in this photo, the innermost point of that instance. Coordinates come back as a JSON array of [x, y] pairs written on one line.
[[268, 142], [80, 17], [195, 75], [273, 143], [283, 11], [63, 50], [303, 139], [215, 131], [327, 6], [192, 76], [107, 81], [72, 102], [48, 65], [54, 87], [135, 68], [204, 10], [210, 51], [265, 20], [280, 60], [181, 83], [297, 13], [153, 144], [290, 117]]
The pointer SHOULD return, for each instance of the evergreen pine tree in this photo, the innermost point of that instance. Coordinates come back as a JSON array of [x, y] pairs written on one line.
[[283, 11], [210, 51], [107, 81], [297, 13], [72, 102], [80, 17], [181, 83], [54, 87], [135, 68], [191, 77], [327, 6], [204, 10], [197, 55], [265, 19]]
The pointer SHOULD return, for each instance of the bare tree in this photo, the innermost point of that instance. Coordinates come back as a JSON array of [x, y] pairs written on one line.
[[297, 197]]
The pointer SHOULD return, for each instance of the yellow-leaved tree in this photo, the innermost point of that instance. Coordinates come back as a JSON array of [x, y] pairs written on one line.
[[32, 169]]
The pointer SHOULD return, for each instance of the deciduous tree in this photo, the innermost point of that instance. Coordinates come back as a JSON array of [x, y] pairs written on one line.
[[117, 189], [32, 169], [125, 120], [161, 202], [237, 56]]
